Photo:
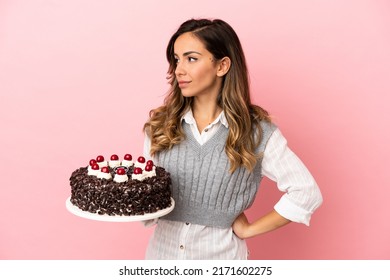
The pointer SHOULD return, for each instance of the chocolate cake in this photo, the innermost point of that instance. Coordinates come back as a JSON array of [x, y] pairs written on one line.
[[120, 188]]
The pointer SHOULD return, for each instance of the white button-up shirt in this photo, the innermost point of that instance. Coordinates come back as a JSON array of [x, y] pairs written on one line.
[[178, 240]]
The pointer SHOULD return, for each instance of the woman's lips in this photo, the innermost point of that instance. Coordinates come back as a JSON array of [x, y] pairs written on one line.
[[183, 84]]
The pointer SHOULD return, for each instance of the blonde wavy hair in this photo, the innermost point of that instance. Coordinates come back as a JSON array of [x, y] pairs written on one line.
[[245, 133]]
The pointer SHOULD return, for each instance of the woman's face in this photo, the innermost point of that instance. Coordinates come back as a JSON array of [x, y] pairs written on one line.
[[196, 69]]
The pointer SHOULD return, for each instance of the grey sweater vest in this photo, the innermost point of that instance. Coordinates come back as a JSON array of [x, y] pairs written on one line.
[[204, 190]]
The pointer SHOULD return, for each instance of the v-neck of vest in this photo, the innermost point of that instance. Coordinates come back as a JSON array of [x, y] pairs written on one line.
[[210, 143]]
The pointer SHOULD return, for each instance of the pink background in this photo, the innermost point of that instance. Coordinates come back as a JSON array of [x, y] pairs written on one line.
[[78, 78]]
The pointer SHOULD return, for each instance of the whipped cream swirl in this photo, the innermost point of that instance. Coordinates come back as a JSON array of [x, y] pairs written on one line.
[[92, 172], [121, 178]]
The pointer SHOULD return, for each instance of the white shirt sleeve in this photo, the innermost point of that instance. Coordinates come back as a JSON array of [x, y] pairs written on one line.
[[302, 195], [147, 144], [146, 151]]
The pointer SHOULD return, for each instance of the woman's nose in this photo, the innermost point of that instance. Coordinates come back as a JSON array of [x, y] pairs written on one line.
[[180, 70]]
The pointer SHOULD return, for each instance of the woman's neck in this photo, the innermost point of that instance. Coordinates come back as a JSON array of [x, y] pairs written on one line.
[[205, 112]]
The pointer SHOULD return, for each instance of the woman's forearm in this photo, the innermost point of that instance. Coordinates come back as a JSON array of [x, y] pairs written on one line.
[[271, 221]]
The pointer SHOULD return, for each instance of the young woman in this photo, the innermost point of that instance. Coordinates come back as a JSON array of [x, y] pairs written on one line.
[[217, 146]]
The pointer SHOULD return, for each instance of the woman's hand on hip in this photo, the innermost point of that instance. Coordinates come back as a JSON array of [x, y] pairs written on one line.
[[240, 226]]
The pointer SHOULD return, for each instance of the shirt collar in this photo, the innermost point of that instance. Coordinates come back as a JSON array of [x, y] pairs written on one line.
[[188, 117]]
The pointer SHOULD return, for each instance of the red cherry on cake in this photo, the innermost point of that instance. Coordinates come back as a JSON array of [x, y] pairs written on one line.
[[121, 171], [149, 162], [137, 170], [95, 166], [105, 169], [92, 162], [128, 157], [114, 157], [141, 160], [149, 167], [100, 158]]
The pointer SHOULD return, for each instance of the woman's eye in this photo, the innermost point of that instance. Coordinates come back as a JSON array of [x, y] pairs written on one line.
[[189, 59], [192, 59]]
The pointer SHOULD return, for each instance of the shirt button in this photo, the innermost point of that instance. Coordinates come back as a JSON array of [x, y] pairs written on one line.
[[206, 130], [181, 247], [187, 224]]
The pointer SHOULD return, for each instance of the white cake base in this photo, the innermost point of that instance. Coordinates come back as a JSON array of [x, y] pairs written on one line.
[[107, 218]]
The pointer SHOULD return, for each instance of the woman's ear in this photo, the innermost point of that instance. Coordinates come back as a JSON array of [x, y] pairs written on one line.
[[224, 66]]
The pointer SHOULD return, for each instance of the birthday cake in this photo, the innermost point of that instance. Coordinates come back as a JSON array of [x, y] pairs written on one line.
[[120, 187]]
